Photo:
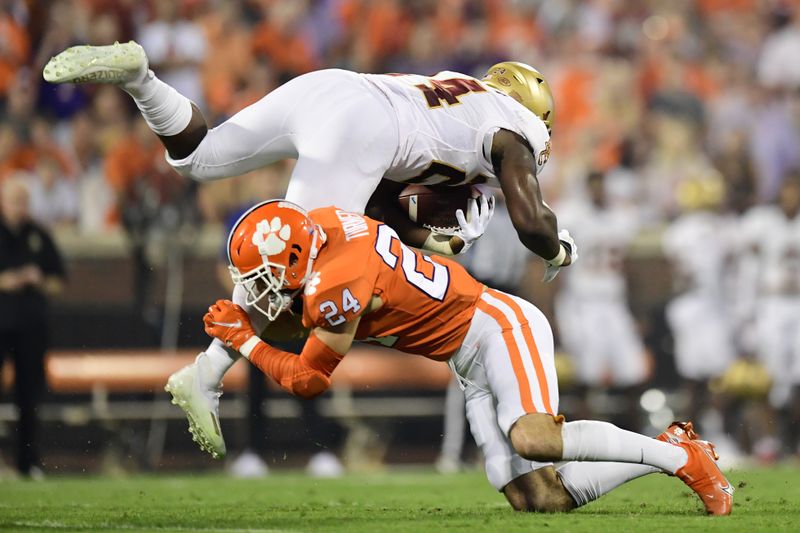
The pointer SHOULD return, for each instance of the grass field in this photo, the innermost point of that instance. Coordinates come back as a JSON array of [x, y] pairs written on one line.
[[405, 501]]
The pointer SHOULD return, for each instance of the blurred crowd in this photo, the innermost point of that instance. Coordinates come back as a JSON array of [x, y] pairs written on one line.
[[681, 115]]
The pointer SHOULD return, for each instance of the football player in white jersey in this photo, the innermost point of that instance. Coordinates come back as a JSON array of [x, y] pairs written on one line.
[[350, 131], [772, 235], [355, 137], [595, 323], [700, 247]]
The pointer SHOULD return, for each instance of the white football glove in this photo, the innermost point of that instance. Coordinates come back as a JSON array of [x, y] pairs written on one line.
[[471, 228], [570, 248]]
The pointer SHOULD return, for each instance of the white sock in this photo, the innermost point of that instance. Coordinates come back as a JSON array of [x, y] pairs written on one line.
[[165, 110], [590, 440], [586, 481], [215, 362]]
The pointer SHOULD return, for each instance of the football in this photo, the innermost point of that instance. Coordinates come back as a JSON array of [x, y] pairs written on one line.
[[435, 207]]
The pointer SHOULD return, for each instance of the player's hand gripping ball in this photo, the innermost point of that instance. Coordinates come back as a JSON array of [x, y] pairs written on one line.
[[473, 225], [229, 323]]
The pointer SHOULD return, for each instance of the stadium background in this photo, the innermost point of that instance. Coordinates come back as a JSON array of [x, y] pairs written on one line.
[[654, 93]]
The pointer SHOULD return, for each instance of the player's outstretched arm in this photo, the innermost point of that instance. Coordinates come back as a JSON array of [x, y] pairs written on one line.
[[534, 221], [306, 375]]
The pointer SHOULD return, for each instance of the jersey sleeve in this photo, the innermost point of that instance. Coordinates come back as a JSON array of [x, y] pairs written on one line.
[[530, 127], [535, 133], [336, 296]]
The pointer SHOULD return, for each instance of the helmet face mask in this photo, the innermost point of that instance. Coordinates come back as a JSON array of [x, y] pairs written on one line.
[[261, 284], [271, 250]]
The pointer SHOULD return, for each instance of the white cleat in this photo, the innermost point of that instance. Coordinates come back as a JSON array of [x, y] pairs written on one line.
[[201, 405], [116, 63]]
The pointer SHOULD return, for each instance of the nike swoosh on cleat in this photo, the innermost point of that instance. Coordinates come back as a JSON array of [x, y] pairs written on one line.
[[236, 324]]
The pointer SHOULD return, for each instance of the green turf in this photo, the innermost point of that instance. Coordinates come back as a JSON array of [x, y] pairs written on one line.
[[407, 501]]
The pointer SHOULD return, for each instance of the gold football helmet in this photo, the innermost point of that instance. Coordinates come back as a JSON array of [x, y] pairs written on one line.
[[526, 85]]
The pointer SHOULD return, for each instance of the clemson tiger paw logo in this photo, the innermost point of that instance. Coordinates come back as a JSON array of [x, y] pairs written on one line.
[[311, 284], [270, 237]]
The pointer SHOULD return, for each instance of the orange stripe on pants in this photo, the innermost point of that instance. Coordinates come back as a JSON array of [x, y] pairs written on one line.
[[513, 351], [527, 334]]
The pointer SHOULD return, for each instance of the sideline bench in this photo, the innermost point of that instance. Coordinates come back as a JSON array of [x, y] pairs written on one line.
[[101, 373]]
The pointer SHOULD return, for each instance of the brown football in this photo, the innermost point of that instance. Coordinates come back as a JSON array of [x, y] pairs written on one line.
[[435, 207]]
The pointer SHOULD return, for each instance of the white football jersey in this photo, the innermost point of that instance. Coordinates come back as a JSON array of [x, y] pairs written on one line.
[[446, 126], [775, 240], [603, 237]]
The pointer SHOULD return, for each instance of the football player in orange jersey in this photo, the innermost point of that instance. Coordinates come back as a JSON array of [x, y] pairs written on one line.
[[357, 281], [357, 138]]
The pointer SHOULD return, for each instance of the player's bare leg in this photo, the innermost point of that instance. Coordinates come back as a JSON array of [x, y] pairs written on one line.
[[618, 456], [539, 491], [187, 141], [544, 490]]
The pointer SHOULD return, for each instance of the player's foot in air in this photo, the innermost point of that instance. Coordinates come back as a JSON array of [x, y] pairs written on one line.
[[701, 472], [117, 63], [201, 405]]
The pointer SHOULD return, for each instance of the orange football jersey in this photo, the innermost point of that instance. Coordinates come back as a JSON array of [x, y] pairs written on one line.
[[428, 301]]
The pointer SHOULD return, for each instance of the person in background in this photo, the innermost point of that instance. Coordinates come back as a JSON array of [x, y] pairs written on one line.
[[699, 245], [31, 270], [597, 328], [54, 196], [771, 235]]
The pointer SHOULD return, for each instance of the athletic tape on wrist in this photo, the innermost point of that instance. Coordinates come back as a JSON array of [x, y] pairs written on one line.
[[249, 345]]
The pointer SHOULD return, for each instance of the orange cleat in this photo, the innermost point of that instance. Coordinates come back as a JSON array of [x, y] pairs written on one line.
[[701, 472], [704, 477]]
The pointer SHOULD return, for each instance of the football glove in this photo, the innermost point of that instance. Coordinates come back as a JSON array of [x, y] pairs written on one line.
[[229, 323], [471, 228], [554, 265]]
